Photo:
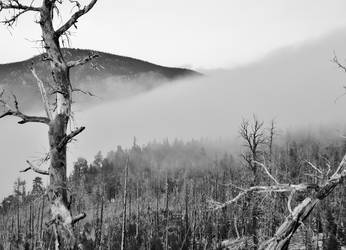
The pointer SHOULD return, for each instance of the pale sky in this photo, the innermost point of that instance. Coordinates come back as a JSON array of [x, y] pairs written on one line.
[[194, 33], [199, 34]]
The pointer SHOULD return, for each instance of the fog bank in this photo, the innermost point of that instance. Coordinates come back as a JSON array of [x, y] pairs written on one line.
[[297, 86]]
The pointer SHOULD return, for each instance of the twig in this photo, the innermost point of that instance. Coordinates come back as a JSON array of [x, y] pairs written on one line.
[[314, 167]]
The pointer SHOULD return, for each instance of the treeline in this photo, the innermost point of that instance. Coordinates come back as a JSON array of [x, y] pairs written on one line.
[[160, 196]]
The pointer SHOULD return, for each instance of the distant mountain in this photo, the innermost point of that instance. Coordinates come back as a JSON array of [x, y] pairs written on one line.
[[106, 76]]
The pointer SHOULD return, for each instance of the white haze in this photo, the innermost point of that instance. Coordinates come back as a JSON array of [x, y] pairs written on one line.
[[297, 86]]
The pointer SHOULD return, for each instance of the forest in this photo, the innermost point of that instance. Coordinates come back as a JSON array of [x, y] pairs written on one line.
[[162, 195], [274, 191]]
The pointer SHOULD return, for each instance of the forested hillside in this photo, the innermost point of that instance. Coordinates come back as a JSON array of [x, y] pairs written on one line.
[[162, 195]]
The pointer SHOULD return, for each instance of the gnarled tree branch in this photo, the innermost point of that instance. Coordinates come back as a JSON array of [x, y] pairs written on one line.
[[74, 18], [16, 112], [16, 5], [17, 8]]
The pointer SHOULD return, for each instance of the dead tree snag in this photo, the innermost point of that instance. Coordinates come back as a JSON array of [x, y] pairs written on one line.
[[58, 114]]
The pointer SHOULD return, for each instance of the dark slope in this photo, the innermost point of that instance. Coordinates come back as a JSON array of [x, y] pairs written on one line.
[[109, 76], [107, 65]]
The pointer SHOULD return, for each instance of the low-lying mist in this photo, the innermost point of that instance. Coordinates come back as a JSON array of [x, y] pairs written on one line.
[[295, 86], [213, 107], [117, 88]]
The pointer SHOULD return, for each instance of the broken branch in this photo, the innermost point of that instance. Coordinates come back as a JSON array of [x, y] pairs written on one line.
[[25, 118], [69, 137], [16, 112], [74, 18], [35, 169], [43, 93], [82, 61], [78, 218], [280, 188], [266, 170]]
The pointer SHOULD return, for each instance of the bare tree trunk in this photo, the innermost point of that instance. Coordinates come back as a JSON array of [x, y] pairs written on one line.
[[130, 204], [186, 217], [31, 227], [18, 225], [58, 115], [123, 231], [101, 218], [26, 224], [60, 207], [60, 70], [157, 206], [137, 214], [194, 217], [166, 208], [41, 223], [271, 140], [12, 226], [254, 137], [97, 226], [149, 218]]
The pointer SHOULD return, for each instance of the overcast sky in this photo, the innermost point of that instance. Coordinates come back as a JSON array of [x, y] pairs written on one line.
[[194, 33], [199, 34]]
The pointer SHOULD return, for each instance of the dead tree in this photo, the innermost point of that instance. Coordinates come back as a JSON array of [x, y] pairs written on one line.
[[296, 217], [272, 133], [167, 213], [41, 222], [186, 241], [123, 230], [137, 213], [58, 114], [101, 216], [254, 137]]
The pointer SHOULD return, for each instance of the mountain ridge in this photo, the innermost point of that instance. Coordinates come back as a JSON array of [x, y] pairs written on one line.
[[141, 66], [107, 73]]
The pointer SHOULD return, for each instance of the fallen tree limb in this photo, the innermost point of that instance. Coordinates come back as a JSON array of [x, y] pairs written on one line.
[[284, 233], [280, 188]]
